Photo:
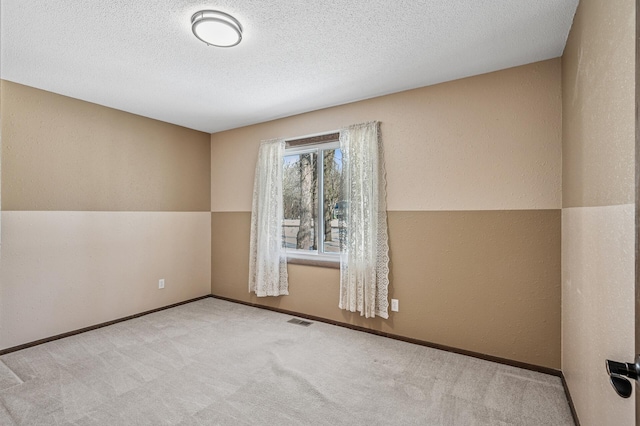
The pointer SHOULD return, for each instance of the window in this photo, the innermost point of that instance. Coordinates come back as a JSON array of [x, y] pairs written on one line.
[[318, 214], [312, 200]]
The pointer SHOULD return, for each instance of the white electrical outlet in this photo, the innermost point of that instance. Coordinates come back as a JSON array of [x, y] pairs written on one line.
[[161, 283], [394, 305]]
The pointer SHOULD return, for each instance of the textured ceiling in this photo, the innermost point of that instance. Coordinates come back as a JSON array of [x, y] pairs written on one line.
[[296, 56]]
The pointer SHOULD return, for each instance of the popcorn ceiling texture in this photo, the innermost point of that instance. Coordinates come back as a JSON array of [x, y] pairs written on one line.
[[141, 56]]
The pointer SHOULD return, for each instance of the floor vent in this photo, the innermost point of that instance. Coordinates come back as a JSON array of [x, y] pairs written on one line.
[[300, 322]]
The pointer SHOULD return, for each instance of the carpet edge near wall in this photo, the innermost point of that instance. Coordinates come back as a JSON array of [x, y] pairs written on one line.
[[96, 326], [485, 357], [504, 361]]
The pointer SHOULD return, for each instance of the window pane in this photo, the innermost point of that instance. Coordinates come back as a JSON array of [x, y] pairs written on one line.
[[334, 226], [300, 193]]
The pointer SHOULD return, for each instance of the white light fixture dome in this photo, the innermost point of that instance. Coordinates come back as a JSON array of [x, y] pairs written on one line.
[[216, 28]]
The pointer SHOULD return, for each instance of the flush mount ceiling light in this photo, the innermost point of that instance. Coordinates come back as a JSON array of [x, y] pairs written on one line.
[[216, 28]]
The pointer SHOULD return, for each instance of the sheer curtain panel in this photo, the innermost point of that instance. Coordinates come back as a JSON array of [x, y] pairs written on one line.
[[364, 263], [267, 259]]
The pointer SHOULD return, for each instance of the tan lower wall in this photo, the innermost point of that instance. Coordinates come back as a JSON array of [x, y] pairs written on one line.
[[483, 281], [61, 271]]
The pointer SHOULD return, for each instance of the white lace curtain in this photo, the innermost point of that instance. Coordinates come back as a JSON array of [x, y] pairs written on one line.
[[267, 259], [364, 264]]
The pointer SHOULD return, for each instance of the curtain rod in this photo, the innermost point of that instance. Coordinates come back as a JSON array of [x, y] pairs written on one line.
[[317, 137], [312, 135], [309, 140]]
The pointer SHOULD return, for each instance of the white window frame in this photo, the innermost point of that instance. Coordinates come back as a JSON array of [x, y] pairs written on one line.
[[319, 228]]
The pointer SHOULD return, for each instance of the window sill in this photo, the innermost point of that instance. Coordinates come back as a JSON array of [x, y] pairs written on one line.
[[321, 262]]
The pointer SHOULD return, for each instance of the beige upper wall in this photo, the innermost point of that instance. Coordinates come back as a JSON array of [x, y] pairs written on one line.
[[599, 119], [482, 143], [60, 153]]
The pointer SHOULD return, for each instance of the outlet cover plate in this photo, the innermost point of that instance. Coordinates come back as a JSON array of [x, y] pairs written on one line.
[[394, 305]]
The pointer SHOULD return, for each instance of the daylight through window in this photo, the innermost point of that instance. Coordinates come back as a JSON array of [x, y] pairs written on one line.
[[312, 199]]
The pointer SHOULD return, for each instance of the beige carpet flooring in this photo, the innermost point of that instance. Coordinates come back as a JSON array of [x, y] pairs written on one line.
[[214, 362]]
